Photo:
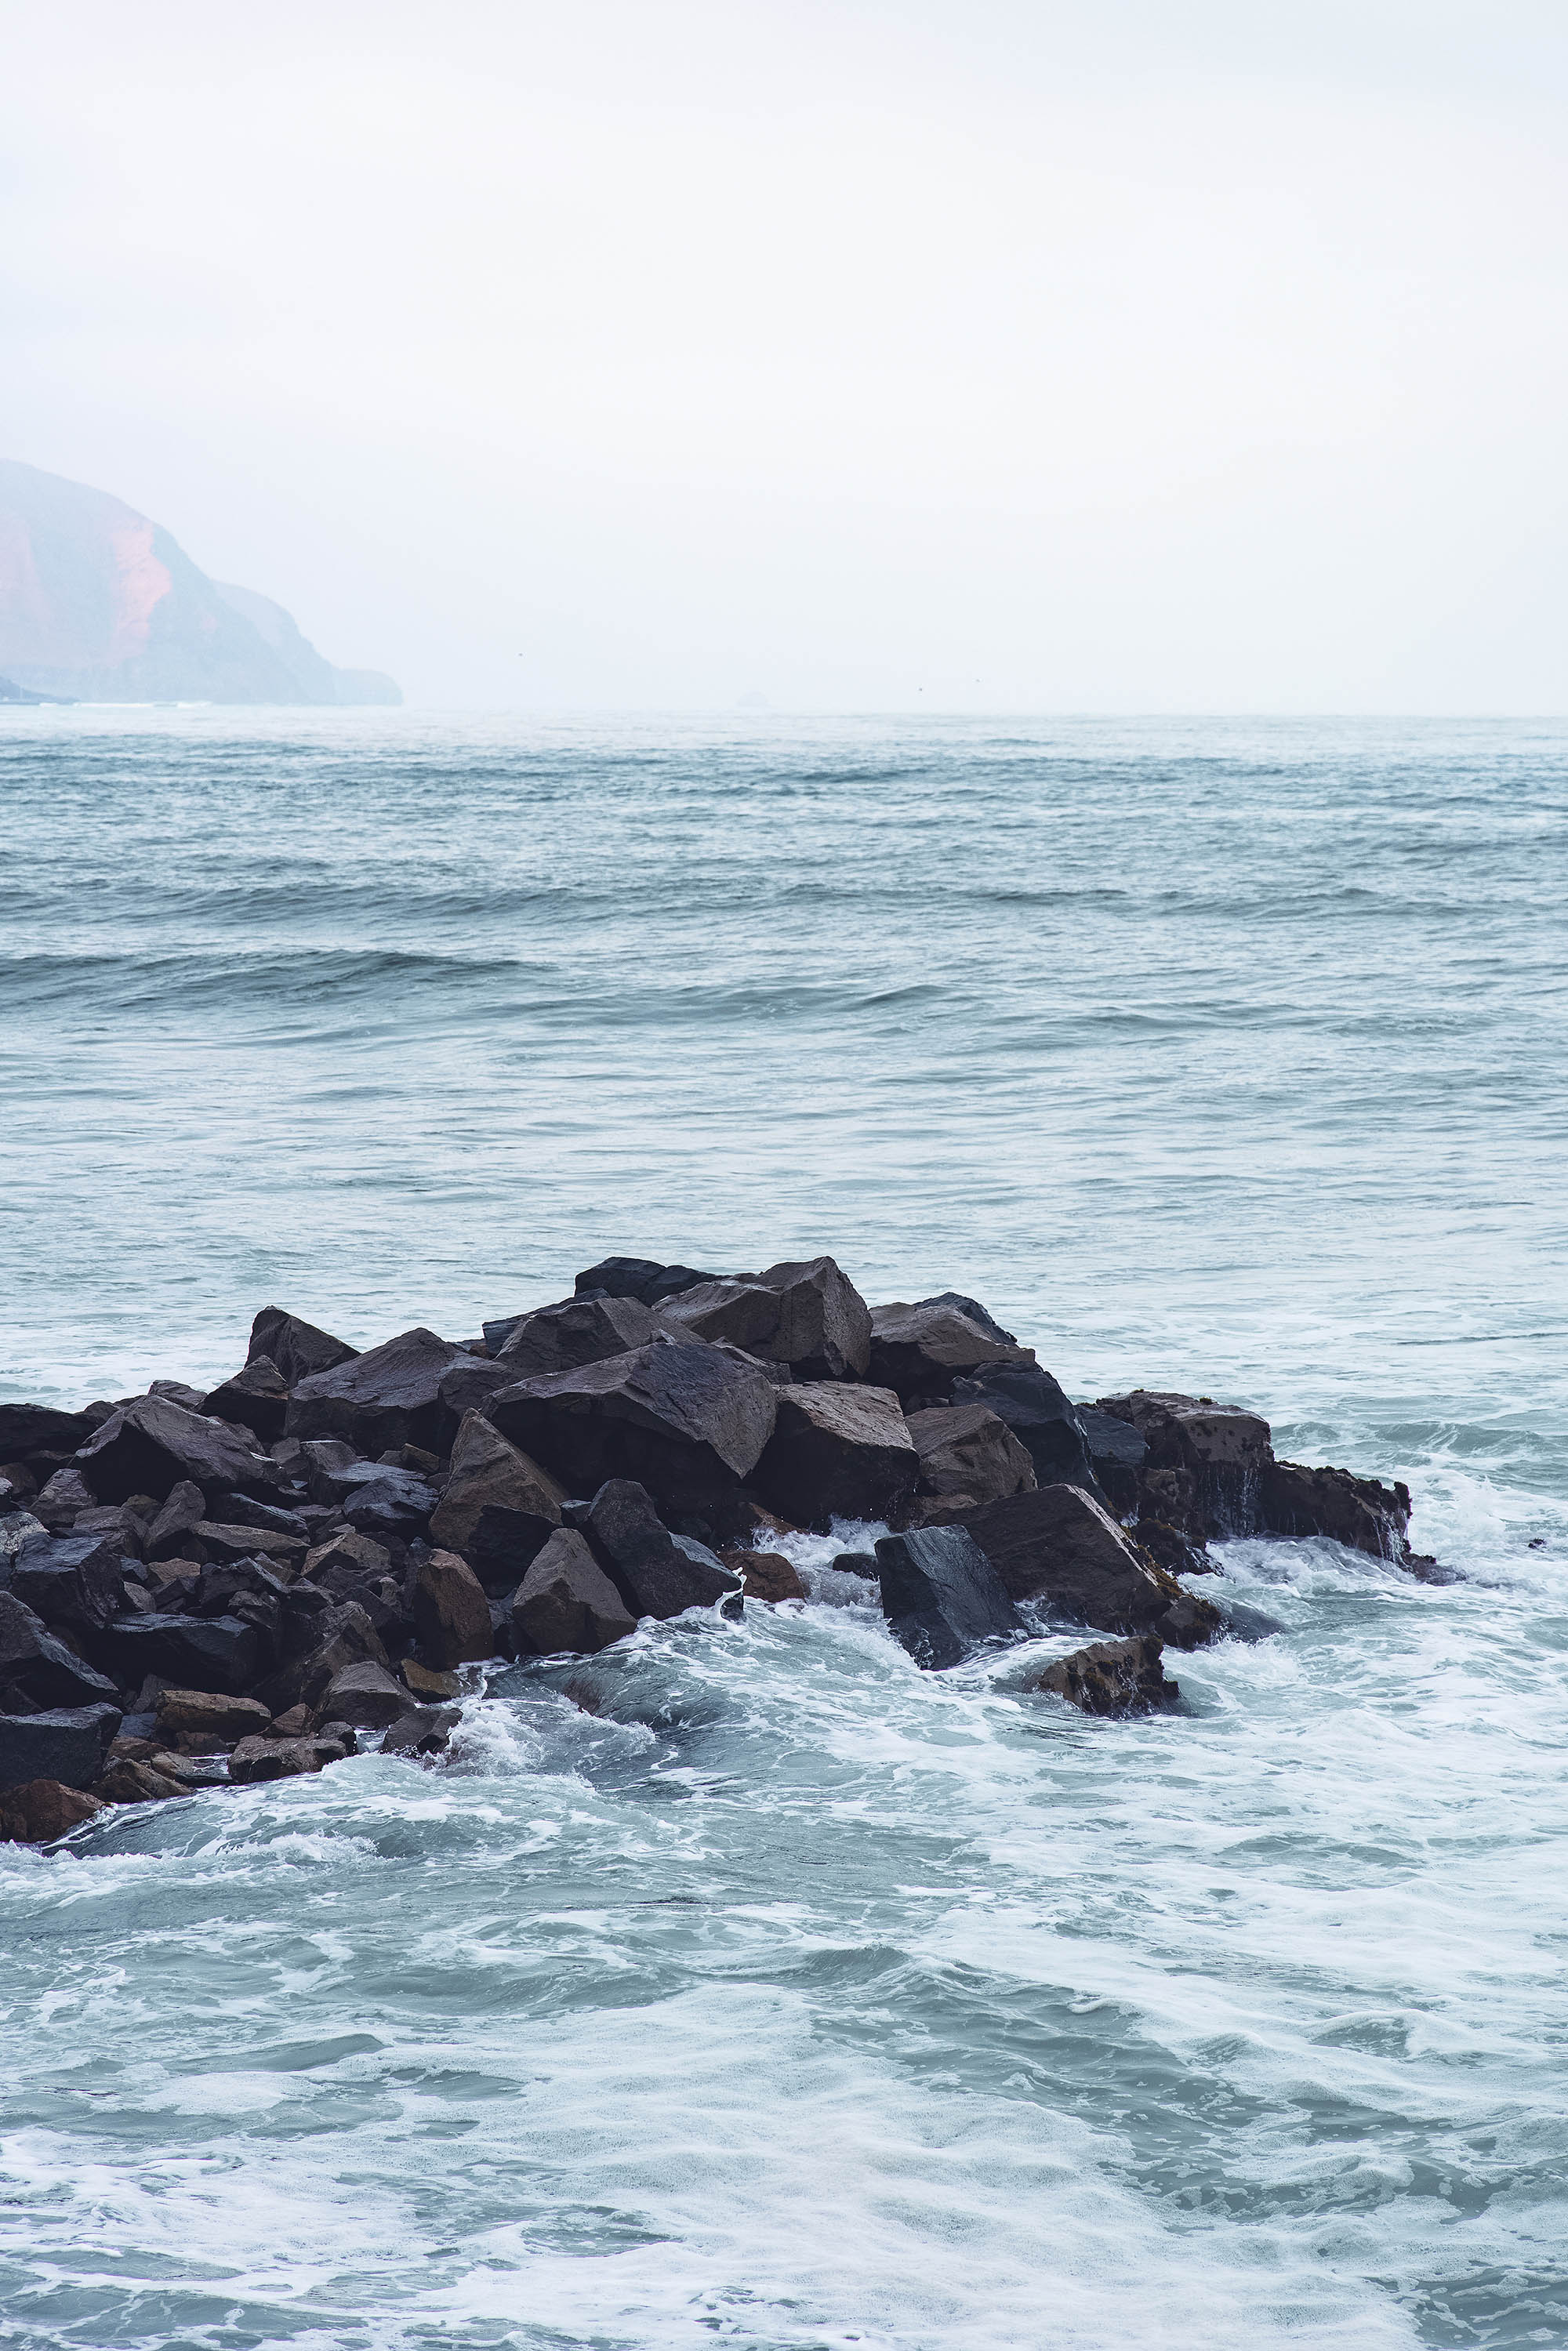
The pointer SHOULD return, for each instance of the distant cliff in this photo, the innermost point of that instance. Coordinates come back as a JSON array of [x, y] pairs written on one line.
[[99, 604]]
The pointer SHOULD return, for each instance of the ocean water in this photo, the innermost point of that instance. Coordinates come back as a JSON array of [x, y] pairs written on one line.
[[747, 1986]]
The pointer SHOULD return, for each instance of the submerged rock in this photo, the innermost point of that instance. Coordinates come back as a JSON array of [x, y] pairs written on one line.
[[1111, 1678]]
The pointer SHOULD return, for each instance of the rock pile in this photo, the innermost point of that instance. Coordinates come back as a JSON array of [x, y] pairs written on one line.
[[237, 1585]]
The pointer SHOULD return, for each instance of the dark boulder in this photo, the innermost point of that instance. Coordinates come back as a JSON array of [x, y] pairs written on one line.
[[36, 1670], [256, 1399], [566, 1603], [450, 1612], [64, 1743], [394, 1506], [219, 1652], [337, 1636], [41, 1811], [367, 1697], [72, 1582], [386, 1398], [28, 1429], [1114, 1678], [578, 1331], [297, 1349], [498, 1507], [806, 1314], [1359, 1511], [61, 1499], [356, 1553], [975, 1313], [1040, 1415], [766, 1574], [209, 1540], [423, 1730], [686, 1421], [469, 1386], [1058, 1545], [656, 1573], [1222, 1450], [941, 1595], [148, 1447], [186, 1507], [208, 1714], [258, 1760], [239, 1510], [1170, 1548], [837, 1452], [1117, 1456], [967, 1454], [919, 1351], [639, 1277]]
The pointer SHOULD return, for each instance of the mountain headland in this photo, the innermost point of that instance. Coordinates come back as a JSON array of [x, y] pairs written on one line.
[[99, 603]]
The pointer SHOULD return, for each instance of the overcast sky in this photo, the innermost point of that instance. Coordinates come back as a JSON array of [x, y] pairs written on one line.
[[945, 354]]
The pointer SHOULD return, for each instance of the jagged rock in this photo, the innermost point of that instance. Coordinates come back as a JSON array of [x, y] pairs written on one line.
[[807, 1315], [209, 1714], [766, 1574], [1223, 1451], [393, 1508], [391, 1396], [256, 1399], [919, 1351], [423, 1730], [127, 1782], [219, 1652], [179, 1391], [340, 1635], [451, 1614], [1057, 1544], [208, 1541], [61, 1499], [331, 1469], [36, 1670], [469, 1386], [1036, 1409], [70, 1581], [64, 1743], [148, 1447], [566, 1602], [1359, 1511], [256, 1761], [639, 1277], [26, 1429], [941, 1595], [837, 1452], [966, 1451], [297, 1349], [358, 1554], [426, 1683], [1111, 1678], [1170, 1548], [41, 1811], [498, 1507], [657, 1574], [578, 1331], [239, 1510], [18, 1527], [685, 1421], [1117, 1456], [367, 1697], [185, 1508]]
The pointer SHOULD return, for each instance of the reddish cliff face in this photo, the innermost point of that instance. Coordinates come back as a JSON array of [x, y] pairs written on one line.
[[99, 604]]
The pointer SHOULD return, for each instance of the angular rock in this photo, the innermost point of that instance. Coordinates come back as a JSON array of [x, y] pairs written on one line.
[[804, 1313], [18, 1527], [331, 1469], [1224, 1450], [941, 1595], [26, 1429], [580, 1331], [342, 1636], [1040, 1415], [72, 1581], [259, 1759], [186, 1507], [766, 1574], [64, 1743], [967, 1452], [1117, 1456], [367, 1697], [358, 1554], [219, 1652], [656, 1573], [427, 1683], [394, 1508], [450, 1612], [208, 1541], [566, 1602], [1058, 1545], [391, 1396], [241, 1511], [423, 1730], [211, 1713], [1170, 1548], [1359, 1511], [639, 1277], [38, 1670], [685, 1421], [128, 1782], [919, 1351], [297, 1349], [148, 1447], [975, 1313], [498, 1507], [41, 1811], [178, 1391], [469, 1386], [837, 1452], [61, 1499], [1112, 1678], [256, 1399]]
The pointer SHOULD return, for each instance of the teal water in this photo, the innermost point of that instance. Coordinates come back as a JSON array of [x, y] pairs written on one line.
[[794, 1998]]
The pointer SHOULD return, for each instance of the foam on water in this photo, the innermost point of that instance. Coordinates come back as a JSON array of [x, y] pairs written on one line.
[[746, 1984]]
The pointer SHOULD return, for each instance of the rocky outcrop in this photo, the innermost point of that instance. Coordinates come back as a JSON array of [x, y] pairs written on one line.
[[1111, 1678], [920, 1350], [566, 1603], [1057, 1545], [1360, 1512], [1204, 1462], [941, 1595]]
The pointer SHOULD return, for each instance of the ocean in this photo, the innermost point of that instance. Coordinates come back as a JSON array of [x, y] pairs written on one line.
[[794, 1999]]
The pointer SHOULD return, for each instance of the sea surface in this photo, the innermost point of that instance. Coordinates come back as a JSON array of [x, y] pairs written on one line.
[[793, 1999]]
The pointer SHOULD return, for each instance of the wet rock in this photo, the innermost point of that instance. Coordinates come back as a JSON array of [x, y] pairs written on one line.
[[390, 1396], [72, 1581], [1224, 1450], [567, 1602], [639, 1277], [208, 1541], [1359, 1511], [256, 1399], [367, 1697], [966, 1453], [239, 1510], [941, 1595], [355, 1554], [1170, 1548], [837, 1452], [297, 1349], [919, 1351], [394, 1508], [685, 1421], [1113, 1678], [423, 1730], [578, 1331], [184, 1509], [178, 1391], [498, 1507], [451, 1614], [428, 1684], [220, 1652], [211, 1714], [61, 1499], [768, 1574], [1038, 1411], [257, 1761], [1058, 1545], [41, 1811], [137, 1783], [26, 1429], [147, 1447], [36, 1669], [64, 1743], [331, 1469], [469, 1386], [655, 1573], [1116, 1455], [805, 1313], [343, 1635]]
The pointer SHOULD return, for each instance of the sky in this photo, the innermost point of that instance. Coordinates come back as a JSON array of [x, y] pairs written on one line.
[[1082, 355]]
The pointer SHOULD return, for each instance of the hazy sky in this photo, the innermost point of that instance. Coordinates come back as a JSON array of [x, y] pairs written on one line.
[[1084, 354]]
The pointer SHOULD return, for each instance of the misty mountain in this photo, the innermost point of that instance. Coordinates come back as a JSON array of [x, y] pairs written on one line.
[[97, 604]]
